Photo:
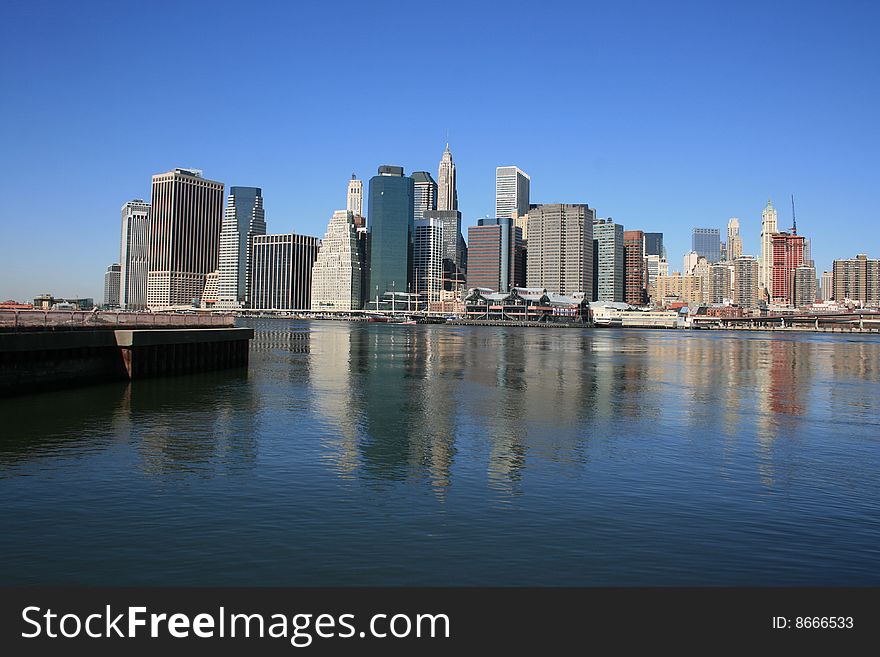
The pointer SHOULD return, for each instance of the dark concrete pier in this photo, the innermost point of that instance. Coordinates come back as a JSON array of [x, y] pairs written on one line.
[[33, 360]]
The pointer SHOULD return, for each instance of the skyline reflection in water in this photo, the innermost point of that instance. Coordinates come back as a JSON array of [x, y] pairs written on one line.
[[354, 453]]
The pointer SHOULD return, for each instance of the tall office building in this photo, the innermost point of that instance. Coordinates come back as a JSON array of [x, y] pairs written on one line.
[[281, 276], [447, 194], [788, 255], [185, 220], [111, 286], [655, 266], [560, 255], [827, 286], [857, 279], [244, 218], [607, 261], [337, 273], [654, 244], [634, 274], [769, 228], [454, 248], [804, 286], [424, 194], [745, 282], [428, 250], [511, 192], [134, 255], [354, 201], [734, 240], [690, 261], [707, 243], [496, 258], [391, 206]]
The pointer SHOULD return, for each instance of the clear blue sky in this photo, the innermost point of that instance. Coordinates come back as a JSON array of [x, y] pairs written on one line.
[[664, 116]]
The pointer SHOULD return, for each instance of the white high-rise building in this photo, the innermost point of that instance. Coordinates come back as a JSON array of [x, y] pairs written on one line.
[[355, 197], [447, 195], [424, 194], [768, 229], [734, 240], [690, 261], [134, 256], [337, 272], [428, 250], [827, 286], [511, 192], [244, 218]]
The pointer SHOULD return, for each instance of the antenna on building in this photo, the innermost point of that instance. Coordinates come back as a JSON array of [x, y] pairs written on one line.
[[793, 217]]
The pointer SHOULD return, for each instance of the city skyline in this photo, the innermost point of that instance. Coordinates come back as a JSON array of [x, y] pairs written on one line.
[[710, 148]]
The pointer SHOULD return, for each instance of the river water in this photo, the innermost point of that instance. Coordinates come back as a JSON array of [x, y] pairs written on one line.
[[371, 454]]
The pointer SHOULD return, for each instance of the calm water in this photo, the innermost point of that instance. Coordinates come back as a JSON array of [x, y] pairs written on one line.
[[371, 454]]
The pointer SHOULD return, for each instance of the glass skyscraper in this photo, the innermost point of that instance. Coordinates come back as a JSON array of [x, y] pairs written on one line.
[[707, 243], [391, 206], [654, 244]]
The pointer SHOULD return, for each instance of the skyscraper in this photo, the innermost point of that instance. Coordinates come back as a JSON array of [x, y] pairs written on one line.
[[454, 248], [495, 255], [111, 286], [608, 261], [804, 294], [827, 286], [788, 255], [447, 194], [707, 243], [718, 290], [560, 256], [134, 255], [391, 206], [355, 196], [244, 218], [511, 192], [185, 220], [336, 274], [745, 282], [634, 274], [654, 244], [424, 194], [428, 258], [281, 276], [734, 240], [768, 229]]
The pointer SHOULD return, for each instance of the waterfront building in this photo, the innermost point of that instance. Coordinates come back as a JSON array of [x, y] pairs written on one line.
[[654, 245], [211, 293], [447, 194], [428, 248], [424, 194], [111, 285], [734, 240], [718, 290], [745, 282], [804, 286], [281, 276], [560, 252], [391, 203], [526, 304], [857, 279], [682, 287], [185, 220], [244, 218], [769, 228], [496, 258], [337, 272], [134, 255], [608, 254], [827, 286], [511, 192], [788, 255], [634, 273], [454, 248], [354, 198], [707, 243]]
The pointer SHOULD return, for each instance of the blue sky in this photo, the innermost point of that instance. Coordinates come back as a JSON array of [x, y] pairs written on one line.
[[664, 116]]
